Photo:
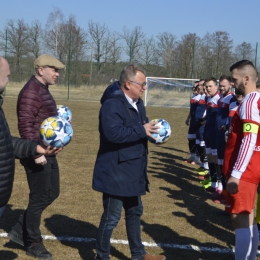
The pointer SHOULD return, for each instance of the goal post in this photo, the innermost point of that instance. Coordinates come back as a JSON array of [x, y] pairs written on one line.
[[168, 92]]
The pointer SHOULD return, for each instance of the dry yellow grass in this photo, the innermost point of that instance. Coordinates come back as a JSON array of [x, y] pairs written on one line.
[[156, 97], [176, 211]]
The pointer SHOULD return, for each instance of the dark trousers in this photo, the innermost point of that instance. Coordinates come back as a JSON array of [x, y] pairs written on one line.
[[44, 185], [112, 213]]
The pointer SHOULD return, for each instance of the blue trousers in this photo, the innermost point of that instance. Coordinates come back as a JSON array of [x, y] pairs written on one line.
[[112, 213]]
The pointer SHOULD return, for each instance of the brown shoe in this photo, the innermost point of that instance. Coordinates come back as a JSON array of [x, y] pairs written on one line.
[[155, 257]]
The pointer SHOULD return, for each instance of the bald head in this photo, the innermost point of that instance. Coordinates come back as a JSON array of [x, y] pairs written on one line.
[[4, 73]]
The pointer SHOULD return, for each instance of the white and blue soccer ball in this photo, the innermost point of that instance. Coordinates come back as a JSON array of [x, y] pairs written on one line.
[[56, 132], [64, 112], [164, 131]]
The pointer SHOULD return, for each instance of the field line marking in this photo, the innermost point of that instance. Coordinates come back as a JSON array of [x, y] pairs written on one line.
[[147, 244]]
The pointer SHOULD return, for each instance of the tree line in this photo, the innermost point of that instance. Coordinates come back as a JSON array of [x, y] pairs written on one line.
[[96, 54]]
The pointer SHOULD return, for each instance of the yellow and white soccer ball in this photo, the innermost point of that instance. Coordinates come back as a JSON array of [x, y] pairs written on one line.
[[56, 132]]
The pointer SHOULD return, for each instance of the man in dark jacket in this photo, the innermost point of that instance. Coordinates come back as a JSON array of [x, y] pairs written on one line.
[[121, 164], [35, 103], [11, 147]]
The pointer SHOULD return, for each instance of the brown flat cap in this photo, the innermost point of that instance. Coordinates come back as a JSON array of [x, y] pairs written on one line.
[[46, 60]]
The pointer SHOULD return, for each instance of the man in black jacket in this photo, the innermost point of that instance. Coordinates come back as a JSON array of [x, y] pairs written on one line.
[[12, 147]]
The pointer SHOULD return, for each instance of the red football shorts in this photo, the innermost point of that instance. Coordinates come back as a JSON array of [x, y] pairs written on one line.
[[244, 200]]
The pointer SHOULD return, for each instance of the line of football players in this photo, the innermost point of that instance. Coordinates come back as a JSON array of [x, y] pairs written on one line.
[[211, 108]]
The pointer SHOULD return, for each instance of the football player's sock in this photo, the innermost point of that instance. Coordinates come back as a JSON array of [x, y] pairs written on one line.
[[255, 241], [192, 146], [243, 244], [214, 184], [220, 187]]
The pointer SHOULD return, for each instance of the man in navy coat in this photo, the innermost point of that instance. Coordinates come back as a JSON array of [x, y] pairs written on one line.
[[121, 166]]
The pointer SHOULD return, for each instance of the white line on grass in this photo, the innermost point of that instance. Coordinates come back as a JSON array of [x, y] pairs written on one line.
[[147, 244]]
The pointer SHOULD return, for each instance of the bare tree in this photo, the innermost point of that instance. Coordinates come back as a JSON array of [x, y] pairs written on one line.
[[148, 52], [166, 46], [114, 55], [35, 38], [222, 52], [184, 55], [68, 42], [244, 51], [53, 31], [98, 34], [77, 46], [134, 41], [17, 43]]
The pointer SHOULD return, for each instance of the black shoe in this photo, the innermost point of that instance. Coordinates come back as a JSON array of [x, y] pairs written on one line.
[[16, 237], [38, 250]]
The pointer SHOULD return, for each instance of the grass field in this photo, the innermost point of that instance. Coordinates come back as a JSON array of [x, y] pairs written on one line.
[[177, 212]]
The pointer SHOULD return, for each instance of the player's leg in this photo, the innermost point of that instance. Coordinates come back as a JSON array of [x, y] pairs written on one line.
[[133, 212], [257, 217], [112, 213], [211, 136], [241, 207], [221, 189], [191, 142], [203, 169]]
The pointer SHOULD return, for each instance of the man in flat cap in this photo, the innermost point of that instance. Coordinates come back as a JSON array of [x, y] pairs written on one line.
[[35, 103]]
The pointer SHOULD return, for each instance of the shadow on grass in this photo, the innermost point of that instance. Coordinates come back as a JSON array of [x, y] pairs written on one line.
[[176, 244], [7, 221], [191, 208], [72, 230], [7, 255]]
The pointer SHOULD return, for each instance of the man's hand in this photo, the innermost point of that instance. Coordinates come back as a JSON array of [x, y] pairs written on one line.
[[151, 128], [223, 128], [187, 122], [48, 150], [232, 185], [40, 160]]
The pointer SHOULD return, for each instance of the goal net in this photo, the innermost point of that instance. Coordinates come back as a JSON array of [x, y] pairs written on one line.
[[168, 92]]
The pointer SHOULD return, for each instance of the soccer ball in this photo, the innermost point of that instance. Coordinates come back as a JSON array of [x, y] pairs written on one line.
[[56, 132], [164, 131], [64, 112]]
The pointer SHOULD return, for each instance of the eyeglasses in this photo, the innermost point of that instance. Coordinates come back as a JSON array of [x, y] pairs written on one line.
[[140, 84]]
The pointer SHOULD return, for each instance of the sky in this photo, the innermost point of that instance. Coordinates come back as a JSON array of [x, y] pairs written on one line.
[[240, 18]]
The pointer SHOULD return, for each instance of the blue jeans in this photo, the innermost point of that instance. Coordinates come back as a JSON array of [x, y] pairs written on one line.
[[112, 213]]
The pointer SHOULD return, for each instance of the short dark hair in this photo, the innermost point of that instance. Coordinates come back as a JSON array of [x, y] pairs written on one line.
[[211, 79], [128, 72], [241, 64], [228, 78]]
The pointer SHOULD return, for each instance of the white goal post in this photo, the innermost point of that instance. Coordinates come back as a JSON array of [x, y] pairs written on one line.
[[168, 92]]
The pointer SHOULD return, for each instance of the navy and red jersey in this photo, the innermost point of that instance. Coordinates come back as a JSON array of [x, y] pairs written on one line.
[[212, 109], [201, 107], [223, 109], [193, 104]]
